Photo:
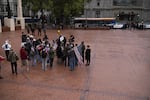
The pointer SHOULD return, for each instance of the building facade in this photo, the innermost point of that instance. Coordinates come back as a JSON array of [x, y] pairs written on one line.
[[120, 9], [4, 5], [13, 6]]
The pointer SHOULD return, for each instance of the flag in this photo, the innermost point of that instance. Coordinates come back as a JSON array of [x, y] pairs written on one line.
[[78, 54], [80, 49]]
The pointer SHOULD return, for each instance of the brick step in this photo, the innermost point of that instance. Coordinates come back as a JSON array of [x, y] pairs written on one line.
[[5, 29], [18, 28]]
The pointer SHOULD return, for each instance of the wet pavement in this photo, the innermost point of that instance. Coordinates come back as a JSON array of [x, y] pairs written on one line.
[[119, 70]]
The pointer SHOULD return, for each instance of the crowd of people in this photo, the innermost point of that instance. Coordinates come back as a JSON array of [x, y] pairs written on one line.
[[31, 28], [34, 51]]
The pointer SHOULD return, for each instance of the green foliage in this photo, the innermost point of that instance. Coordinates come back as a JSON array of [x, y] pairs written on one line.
[[59, 8], [68, 7], [37, 5]]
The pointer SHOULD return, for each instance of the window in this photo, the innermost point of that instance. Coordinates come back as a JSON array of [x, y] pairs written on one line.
[[97, 14], [127, 2], [98, 2]]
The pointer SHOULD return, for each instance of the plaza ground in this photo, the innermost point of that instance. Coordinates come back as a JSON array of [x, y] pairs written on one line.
[[119, 70]]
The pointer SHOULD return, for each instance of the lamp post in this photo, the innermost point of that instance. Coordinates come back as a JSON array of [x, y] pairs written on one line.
[[86, 12], [8, 21], [8, 9]]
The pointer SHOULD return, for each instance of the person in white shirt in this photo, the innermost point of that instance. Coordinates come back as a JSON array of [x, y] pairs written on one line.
[[7, 47]]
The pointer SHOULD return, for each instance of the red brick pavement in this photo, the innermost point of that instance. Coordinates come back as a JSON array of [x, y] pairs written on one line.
[[120, 69]]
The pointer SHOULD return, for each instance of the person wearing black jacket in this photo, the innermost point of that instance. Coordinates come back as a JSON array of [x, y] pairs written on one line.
[[24, 37], [88, 55], [83, 50]]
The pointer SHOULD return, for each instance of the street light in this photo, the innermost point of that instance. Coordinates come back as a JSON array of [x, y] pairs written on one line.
[[8, 9]]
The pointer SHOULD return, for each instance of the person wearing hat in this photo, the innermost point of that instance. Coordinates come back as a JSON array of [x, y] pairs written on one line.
[[6, 46]]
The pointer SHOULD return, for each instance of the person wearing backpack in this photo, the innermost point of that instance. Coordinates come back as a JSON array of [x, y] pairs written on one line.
[[7, 47], [13, 58]]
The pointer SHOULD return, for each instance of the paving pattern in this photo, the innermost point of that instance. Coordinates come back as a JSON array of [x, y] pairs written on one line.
[[119, 70]]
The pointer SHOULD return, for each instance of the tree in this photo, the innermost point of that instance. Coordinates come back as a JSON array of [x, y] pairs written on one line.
[[39, 5], [61, 9]]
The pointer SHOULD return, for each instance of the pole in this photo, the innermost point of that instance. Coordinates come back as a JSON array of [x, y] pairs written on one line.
[[8, 9], [85, 26], [19, 9]]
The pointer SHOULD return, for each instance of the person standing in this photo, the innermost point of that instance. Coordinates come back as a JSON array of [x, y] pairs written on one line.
[[44, 59], [24, 58], [28, 29], [39, 29], [82, 50], [88, 55], [32, 56], [44, 28], [51, 56], [1, 59], [23, 37], [12, 58], [6, 46], [65, 55], [33, 29], [72, 59]]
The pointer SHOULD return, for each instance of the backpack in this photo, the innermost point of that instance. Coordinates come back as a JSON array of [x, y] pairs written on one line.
[[44, 54]]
